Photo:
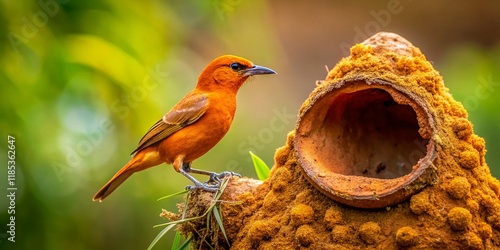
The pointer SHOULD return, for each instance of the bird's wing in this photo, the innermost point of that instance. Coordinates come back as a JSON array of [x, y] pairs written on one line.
[[187, 111]]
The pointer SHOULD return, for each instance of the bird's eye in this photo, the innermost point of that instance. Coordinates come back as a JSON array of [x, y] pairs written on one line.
[[235, 66]]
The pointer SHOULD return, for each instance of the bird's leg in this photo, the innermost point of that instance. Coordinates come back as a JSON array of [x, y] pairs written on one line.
[[214, 177], [185, 169]]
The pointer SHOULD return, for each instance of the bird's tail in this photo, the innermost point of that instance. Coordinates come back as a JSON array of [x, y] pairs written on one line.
[[142, 160], [116, 181]]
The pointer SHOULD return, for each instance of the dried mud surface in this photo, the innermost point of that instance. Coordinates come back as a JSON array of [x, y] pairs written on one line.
[[460, 211]]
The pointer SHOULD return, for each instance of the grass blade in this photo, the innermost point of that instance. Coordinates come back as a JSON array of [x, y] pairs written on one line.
[[176, 241], [219, 221], [185, 244], [171, 195], [260, 166], [186, 201], [158, 237], [179, 221]]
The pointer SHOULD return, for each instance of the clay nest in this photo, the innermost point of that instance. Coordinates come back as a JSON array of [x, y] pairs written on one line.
[[382, 158]]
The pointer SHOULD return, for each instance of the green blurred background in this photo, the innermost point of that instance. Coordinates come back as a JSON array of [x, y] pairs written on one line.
[[82, 81]]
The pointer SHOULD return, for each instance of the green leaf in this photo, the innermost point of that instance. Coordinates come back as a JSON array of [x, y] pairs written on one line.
[[183, 246], [260, 166], [219, 221], [158, 237], [176, 241]]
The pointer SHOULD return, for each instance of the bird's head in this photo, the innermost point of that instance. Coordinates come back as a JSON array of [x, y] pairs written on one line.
[[229, 72]]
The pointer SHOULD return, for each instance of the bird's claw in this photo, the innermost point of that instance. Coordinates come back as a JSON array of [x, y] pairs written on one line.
[[217, 178], [214, 182]]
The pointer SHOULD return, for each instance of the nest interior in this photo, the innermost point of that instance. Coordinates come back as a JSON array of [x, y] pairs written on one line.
[[366, 133]]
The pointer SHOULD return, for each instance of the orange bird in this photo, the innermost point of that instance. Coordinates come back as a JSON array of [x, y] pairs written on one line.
[[193, 126]]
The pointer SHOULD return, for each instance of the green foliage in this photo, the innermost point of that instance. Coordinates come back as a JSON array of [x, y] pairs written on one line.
[[260, 166], [185, 244], [218, 218], [177, 241], [81, 82], [473, 76], [160, 235]]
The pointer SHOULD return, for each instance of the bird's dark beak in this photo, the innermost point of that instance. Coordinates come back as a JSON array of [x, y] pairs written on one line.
[[257, 70]]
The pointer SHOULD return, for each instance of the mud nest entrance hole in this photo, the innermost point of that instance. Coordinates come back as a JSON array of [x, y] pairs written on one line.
[[363, 141], [376, 136]]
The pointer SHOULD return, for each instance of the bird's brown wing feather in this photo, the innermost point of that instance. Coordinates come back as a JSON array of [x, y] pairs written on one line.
[[186, 112]]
